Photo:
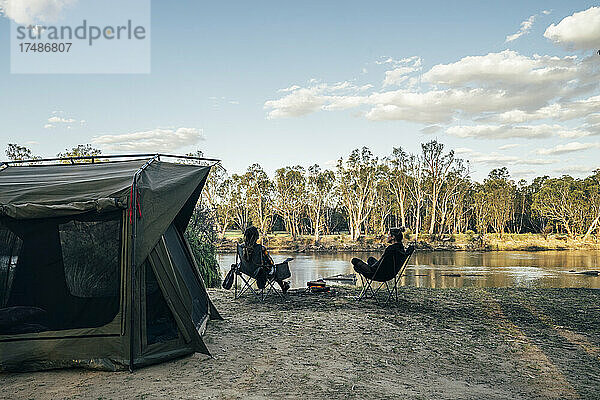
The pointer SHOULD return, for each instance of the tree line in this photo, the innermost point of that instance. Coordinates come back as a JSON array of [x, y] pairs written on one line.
[[430, 193]]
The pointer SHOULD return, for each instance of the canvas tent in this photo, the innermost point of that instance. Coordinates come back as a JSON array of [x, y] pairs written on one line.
[[94, 269]]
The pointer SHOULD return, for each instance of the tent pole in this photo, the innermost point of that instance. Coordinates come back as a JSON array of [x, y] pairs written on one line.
[[134, 211], [132, 271]]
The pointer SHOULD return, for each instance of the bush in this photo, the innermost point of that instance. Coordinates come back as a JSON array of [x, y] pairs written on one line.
[[201, 236]]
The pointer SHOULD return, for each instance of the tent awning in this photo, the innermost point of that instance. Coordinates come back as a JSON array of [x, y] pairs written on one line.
[[42, 191]]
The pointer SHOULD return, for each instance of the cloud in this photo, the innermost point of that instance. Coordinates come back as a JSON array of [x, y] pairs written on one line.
[[525, 29], [568, 148], [565, 111], [580, 31], [509, 146], [576, 169], [403, 68], [34, 11], [497, 159], [302, 101], [502, 86], [156, 140], [49, 126], [510, 131], [61, 120], [428, 130]]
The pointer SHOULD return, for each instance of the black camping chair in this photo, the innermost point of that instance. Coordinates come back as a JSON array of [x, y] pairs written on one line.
[[249, 272], [388, 268]]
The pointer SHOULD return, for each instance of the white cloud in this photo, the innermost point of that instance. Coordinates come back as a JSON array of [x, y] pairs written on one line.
[[289, 89], [547, 12], [497, 159], [576, 169], [568, 148], [61, 120], [509, 146], [35, 11], [402, 68], [510, 131], [579, 31], [155, 140], [431, 129], [49, 126], [565, 111], [525, 29], [504, 87]]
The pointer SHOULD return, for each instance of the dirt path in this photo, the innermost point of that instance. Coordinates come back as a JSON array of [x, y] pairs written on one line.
[[435, 344]]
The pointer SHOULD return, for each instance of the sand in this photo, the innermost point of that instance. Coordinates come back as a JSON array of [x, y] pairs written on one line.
[[433, 344]]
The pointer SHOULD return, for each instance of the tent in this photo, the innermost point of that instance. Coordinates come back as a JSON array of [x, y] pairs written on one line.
[[95, 271]]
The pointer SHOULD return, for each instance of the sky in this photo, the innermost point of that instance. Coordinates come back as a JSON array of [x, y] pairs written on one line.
[[509, 83]]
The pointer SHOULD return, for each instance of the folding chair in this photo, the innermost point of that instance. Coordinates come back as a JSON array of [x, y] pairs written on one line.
[[247, 273], [388, 268]]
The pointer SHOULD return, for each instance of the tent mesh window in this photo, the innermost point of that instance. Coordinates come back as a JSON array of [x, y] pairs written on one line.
[[91, 257], [64, 274], [10, 246], [160, 324]]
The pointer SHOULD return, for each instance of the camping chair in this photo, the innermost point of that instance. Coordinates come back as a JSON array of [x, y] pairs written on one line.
[[247, 273], [388, 268]]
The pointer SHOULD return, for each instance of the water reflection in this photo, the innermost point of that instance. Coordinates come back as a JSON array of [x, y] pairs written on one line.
[[548, 269]]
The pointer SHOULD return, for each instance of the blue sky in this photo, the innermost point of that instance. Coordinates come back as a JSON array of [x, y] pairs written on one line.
[[219, 70]]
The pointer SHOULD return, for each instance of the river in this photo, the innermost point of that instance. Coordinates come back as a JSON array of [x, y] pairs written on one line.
[[543, 269]]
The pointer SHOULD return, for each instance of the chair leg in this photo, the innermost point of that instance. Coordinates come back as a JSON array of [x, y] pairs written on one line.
[[366, 287]]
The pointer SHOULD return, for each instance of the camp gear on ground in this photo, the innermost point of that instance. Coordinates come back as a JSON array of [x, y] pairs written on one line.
[[95, 270], [390, 267], [319, 289], [319, 286], [228, 281], [343, 278]]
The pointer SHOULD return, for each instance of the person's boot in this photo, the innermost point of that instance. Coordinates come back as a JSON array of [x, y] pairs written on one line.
[[285, 287]]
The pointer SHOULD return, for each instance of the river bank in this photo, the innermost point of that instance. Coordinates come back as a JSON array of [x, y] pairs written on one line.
[[459, 242], [434, 344]]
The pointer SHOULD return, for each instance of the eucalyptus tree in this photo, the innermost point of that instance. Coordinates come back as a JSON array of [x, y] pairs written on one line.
[[290, 191], [592, 185], [499, 192], [383, 205], [260, 197], [438, 166], [217, 198], [14, 152], [356, 186], [240, 201], [81, 150], [319, 190], [416, 188], [560, 200], [399, 179]]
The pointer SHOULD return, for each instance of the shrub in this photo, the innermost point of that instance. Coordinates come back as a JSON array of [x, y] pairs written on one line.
[[201, 236]]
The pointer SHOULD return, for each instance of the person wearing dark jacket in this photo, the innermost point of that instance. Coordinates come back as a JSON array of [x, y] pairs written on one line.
[[396, 247], [256, 254]]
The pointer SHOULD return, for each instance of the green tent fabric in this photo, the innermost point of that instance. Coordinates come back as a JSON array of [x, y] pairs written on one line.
[[71, 293]]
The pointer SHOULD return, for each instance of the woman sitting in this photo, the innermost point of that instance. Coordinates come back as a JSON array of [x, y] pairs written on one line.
[[258, 255], [396, 247]]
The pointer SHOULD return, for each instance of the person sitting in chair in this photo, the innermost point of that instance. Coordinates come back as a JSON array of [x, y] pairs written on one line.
[[258, 255], [396, 247]]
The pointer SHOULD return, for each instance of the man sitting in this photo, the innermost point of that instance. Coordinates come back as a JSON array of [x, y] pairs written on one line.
[[369, 268]]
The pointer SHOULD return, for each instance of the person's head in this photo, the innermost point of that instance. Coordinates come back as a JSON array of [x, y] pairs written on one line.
[[251, 236], [395, 235]]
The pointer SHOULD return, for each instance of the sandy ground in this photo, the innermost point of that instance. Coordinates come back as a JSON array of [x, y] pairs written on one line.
[[434, 344]]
